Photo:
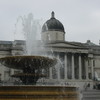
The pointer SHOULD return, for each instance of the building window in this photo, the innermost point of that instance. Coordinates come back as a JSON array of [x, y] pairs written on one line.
[[62, 72], [48, 36], [93, 62], [83, 67], [54, 73], [76, 64], [90, 76], [16, 72], [63, 37], [6, 75], [0, 77], [69, 66], [62, 65], [88, 63], [47, 72], [56, 36]]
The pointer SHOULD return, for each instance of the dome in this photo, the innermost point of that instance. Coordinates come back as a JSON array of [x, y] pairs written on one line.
[[53, 25]]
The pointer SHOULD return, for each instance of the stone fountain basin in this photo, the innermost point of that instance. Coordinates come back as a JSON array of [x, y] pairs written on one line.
[[39, 93], [30, 65], [32, 62]]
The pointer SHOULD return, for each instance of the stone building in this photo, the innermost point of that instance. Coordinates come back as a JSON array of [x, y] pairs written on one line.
[[79, 63]]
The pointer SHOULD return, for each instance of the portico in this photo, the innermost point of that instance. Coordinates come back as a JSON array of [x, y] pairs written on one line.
[[72, 68]]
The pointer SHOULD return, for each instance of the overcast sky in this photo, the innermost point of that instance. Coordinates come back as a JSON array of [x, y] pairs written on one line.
[[81, 18]]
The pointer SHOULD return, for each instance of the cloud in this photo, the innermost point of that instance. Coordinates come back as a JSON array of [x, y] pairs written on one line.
[[81, 18]]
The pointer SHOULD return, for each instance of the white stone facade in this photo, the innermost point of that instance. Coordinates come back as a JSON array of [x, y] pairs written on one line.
[[77, 63], [53, 36]]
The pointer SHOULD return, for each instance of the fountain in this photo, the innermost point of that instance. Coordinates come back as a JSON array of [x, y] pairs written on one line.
[[32, 66]]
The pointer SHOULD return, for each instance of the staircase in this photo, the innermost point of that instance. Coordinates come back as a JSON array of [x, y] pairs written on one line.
[[91, 95]]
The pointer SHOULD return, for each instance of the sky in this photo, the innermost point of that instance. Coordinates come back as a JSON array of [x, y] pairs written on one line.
[[81, 18]]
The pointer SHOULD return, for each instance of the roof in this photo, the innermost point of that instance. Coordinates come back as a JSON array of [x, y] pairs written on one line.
[[5, 42], [53, 25]]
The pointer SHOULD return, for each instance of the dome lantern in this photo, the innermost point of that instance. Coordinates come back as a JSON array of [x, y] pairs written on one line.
[[52, 14]]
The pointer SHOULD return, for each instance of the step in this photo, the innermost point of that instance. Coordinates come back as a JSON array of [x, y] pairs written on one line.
[[91, 95], [91, 99]]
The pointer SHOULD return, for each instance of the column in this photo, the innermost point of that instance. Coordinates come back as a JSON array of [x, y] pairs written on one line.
[[65, 66], [58, 67], [50, 74], [90, 56], [73, 70], [86, 65], [80, 67], [92, 69]]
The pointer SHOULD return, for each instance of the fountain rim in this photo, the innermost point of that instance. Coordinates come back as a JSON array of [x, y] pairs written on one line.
[[25, 58]]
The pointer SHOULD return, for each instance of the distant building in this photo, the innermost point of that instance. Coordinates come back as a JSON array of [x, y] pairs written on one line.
[[79, 62]]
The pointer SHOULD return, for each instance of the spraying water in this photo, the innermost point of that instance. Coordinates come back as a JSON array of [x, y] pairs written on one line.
[[31, 29]]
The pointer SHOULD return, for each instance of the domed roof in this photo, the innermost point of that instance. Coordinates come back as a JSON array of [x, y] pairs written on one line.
[[53, 25]]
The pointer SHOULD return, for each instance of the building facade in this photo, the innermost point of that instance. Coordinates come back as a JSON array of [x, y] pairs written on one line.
[[78, 63]]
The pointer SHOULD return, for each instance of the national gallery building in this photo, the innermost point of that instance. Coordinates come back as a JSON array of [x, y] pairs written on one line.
[[78, 63]]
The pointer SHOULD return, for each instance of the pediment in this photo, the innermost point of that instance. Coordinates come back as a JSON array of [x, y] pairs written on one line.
[[66, 45]]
